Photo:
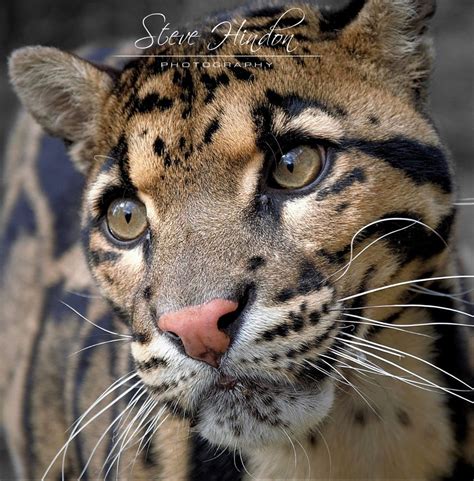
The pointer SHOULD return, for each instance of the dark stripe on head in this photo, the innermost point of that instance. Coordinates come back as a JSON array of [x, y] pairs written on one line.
[[355, 175], [422, 163], [97, 257], [333, 20], [120, 154], [294, 104]]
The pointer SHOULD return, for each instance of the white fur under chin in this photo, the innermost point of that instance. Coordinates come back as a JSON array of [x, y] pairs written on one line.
[[225, 412]]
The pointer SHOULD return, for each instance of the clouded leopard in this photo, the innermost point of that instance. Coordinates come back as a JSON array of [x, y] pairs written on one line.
[[248, 269]]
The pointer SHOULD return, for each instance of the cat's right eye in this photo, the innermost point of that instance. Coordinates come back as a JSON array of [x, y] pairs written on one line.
[[126, 219]]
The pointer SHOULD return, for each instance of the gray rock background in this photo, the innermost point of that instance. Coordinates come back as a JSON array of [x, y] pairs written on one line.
[[77, 22]]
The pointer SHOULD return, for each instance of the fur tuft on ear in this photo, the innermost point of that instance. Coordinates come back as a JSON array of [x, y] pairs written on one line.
[[391, 33], [63, 92]]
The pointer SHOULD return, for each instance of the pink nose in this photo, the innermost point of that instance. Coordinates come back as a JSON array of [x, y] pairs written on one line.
[[197, 327]]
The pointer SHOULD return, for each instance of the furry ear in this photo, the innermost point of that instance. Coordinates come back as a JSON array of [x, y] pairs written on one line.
[[391, 33], [63, 92]]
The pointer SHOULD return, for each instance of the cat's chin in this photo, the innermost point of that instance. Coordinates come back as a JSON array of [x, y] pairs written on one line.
[[244, 418]]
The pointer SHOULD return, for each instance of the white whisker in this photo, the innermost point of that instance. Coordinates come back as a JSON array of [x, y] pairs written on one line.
[[98, 344], [404, 283], [79, 430], [393, 351], [95, 325], [425, 306]]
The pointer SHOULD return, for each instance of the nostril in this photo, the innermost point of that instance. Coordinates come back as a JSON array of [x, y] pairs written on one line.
[[172, 336], [227, 320]]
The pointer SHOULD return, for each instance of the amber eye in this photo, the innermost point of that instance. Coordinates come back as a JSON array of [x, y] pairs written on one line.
[[126, 219], [298, 167]]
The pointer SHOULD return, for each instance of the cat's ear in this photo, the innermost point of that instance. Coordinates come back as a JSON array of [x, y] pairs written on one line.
[[63, 92], [390, 33]]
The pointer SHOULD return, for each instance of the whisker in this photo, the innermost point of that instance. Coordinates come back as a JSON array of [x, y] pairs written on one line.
[[404, 283], [427, 306], [352, 258], [124, 438], [292, 445], [371, 368], [357, 390], [77, 432], [243, 465], [98, 344], [327, 449], [446, 390], [392, 350], [115, 385], [96, 325], [373, 322], [420, 324], [425, 290], [124, 411], [81, 294]]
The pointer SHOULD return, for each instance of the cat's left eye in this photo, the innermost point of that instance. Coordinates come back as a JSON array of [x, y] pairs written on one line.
[[126, 219], [297, 168]]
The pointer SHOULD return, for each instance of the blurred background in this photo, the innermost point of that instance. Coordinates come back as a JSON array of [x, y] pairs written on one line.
[[77, 22]]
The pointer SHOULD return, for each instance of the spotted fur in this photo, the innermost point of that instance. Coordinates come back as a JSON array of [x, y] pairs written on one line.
[[342, 365]]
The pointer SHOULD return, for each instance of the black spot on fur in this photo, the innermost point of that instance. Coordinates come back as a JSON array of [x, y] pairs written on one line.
[[151, 364], [141, 337], [241, 73], [255, 263], [342, 207], [211, 129], [159, 146], [374, 120], [314, 317], [334, 20], [153, 102], [403, 418], [360, 418], [297, 321], [212, 83]]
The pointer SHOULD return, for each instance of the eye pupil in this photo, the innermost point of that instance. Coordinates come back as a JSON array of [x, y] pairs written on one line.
[[128, 217], [298, 168]]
